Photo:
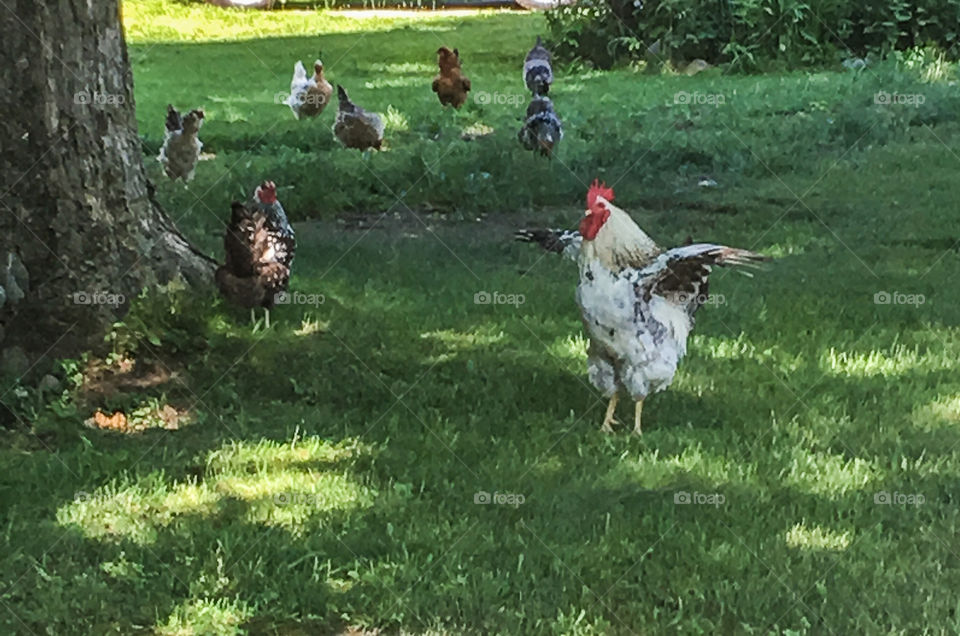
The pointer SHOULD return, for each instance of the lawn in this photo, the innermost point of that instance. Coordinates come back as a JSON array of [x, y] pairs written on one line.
[[322, 476]]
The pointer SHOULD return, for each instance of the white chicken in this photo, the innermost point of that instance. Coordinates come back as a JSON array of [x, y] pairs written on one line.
[[637, 300]]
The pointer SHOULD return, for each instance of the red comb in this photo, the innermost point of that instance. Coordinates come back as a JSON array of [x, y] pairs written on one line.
[[598, 189]]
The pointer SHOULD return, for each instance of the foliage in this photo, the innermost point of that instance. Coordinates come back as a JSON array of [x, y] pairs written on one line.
[[751, 34]]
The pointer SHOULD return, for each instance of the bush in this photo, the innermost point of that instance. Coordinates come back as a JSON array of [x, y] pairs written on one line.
[[750, 34]]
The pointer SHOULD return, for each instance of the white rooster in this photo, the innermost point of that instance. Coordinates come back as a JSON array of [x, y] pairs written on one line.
[[637, 300]]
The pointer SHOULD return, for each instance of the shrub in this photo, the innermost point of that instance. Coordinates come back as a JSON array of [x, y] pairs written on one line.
[[750, 34]]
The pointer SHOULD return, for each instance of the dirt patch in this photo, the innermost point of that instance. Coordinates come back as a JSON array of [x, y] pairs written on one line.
[[101, 379]]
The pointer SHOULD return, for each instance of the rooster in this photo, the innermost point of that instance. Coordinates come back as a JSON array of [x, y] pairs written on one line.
[[637, 300], [259, 245], [542, 129], [355, 127], [450, 85], [181, 147], [537, 72], [309, 95]]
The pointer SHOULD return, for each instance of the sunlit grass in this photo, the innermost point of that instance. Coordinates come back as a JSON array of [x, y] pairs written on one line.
[[157, 21], [817, 538]]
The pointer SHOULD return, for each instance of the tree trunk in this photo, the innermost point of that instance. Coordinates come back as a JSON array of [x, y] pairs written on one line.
[[80, 232]]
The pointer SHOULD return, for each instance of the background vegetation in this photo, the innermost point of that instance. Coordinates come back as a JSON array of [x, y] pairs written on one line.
[[752, 34]]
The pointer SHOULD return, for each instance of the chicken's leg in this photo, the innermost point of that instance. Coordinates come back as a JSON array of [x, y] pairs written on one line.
[[253, 316], [636, 420], [608, 418], [266, 313]]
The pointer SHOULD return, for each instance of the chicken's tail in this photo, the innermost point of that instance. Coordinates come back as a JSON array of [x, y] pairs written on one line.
[[299, 72], [174, 121]]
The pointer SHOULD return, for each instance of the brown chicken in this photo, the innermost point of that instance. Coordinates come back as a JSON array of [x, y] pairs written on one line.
[[450, 85], [356, 127], [309, 95]]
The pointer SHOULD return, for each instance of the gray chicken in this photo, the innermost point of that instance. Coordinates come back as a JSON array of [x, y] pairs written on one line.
[[537, 72], [355, 127], [542, 129]]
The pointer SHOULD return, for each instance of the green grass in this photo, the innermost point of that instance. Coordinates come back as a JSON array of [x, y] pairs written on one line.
[[326, 477]]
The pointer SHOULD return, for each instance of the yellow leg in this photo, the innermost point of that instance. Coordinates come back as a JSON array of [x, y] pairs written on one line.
[[636, 420], [267, 314], [608, 418]]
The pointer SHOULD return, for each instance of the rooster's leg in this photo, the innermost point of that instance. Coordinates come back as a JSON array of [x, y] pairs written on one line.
[[266, 313], [608, 418], [636, 421], [253, 316]]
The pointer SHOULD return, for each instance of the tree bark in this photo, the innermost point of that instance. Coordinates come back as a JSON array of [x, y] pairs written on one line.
[[80, 230]]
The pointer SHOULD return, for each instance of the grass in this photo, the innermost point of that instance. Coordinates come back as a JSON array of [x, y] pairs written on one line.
[[324, 476]]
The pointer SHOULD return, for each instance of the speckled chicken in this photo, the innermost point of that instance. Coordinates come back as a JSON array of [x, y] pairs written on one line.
[[259, 245], [537, 72], [355, 127], [636, 299], [309, 95], [450, 85], [181, 145], [542, 130]]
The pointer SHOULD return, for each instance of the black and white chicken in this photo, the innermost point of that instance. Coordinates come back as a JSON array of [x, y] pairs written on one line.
[[260, 245], [542, 130]]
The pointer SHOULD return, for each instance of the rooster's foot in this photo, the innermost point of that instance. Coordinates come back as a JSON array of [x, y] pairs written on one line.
[[608, 418]]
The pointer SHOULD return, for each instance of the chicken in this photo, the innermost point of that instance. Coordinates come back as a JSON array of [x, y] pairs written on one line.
[[450, 85], [637, 300], [355, 127], [181, 146], [537, 72], [259, 245], [542, 129], [309, 95]]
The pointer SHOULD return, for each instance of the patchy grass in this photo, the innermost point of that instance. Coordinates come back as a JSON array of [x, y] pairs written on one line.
[[325, 480]]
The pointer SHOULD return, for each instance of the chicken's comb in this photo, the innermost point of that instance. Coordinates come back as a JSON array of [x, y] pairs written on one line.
[[598, 189]]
